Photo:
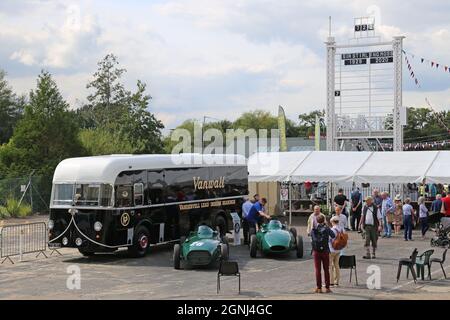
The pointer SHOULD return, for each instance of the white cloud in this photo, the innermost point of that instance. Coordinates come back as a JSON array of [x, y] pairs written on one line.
[[207, 57]]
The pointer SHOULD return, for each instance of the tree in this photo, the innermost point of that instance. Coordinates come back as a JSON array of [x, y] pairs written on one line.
[[256, 120], [100, 141], [46, 134], [109, 99], [120, 111], [307, 123], [11, 109]]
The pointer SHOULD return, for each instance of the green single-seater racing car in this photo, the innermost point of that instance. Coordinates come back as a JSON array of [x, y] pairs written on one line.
[[274, 238], [201, 248]]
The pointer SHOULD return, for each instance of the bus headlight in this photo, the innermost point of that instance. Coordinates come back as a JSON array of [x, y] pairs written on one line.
[[65, 241], [51, 224], [98, 226]]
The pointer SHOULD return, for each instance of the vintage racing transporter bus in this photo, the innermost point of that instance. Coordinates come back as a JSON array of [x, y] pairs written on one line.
[[100, 204]]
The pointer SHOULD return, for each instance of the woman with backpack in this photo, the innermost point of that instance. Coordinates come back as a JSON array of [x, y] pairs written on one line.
[[321, 235], [336, 245]]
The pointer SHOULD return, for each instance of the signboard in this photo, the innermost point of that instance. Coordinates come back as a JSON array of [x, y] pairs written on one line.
[[374, 57], [364, 27]]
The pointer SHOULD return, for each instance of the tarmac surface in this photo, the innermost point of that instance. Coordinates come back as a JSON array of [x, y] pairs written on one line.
[[115, 276]]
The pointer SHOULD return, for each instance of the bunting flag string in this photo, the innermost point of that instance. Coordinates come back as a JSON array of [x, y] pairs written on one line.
[[432, 63], [412, 73]]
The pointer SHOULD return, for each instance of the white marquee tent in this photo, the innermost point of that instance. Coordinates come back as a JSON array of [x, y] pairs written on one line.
[[336, 166]]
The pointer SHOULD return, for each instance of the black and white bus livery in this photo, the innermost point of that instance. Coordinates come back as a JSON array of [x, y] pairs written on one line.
[[103, 203]]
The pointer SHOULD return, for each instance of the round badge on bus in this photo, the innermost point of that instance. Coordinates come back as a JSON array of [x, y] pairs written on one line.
[[125, 219]]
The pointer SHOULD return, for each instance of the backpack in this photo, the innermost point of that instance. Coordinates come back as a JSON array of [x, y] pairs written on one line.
[[340, 242], [320, 238]]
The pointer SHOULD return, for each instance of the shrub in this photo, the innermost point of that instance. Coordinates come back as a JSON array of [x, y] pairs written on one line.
[[3, 212], [24, 211], [14, 210]]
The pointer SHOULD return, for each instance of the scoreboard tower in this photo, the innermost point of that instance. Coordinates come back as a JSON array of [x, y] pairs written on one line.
[[364, 91]]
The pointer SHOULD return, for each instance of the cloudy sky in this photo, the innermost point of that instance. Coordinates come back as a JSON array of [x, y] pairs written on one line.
[[214, 58]]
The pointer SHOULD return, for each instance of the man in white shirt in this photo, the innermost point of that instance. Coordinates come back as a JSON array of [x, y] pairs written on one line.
[[312, 220], [372, 224], [343, 220]]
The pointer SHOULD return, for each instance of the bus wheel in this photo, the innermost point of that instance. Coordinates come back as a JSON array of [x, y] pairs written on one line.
[[86, 253], [141, 242], [176, 257], [221, 224]]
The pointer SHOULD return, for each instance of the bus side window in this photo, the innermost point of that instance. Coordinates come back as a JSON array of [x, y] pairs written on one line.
[[138, 194], [155, 187], [123, 196]]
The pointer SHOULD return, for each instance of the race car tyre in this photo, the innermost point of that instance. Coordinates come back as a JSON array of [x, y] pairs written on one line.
[[294, 233], [251, 231], [176, 257], [141, 242], [253, 247], [299, 247], [224, 253]]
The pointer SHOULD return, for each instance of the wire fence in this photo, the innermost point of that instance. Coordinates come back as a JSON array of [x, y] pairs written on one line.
[[28, 190]]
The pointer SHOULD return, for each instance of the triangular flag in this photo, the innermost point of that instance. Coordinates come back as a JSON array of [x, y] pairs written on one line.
[[422, 59], [437, 65], [432, 63], [417, 82], [446, 68]]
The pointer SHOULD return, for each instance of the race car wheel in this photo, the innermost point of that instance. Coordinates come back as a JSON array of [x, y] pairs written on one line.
[[176, 256], [299, 247], [294, 233], [141, 242], [224, 253], [253, 247]]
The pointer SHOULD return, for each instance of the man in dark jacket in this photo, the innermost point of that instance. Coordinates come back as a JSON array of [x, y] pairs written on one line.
[[321, 235], [371, 223]]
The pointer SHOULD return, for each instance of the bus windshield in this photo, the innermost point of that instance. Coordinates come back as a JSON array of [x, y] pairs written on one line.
[[83, 194]]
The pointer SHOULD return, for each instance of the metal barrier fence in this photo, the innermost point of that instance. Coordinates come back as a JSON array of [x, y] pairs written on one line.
[[20, 239]]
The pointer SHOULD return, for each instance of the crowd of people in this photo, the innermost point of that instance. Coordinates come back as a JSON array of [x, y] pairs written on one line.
[[376, 215], [421, 146]]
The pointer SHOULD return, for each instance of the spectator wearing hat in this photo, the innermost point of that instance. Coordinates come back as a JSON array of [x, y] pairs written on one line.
[[398, 214], [371, 223]]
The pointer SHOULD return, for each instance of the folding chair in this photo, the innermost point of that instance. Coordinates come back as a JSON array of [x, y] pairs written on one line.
[[349, 262], [440, 261], [228, 268], [423, 261], [409, 264]]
